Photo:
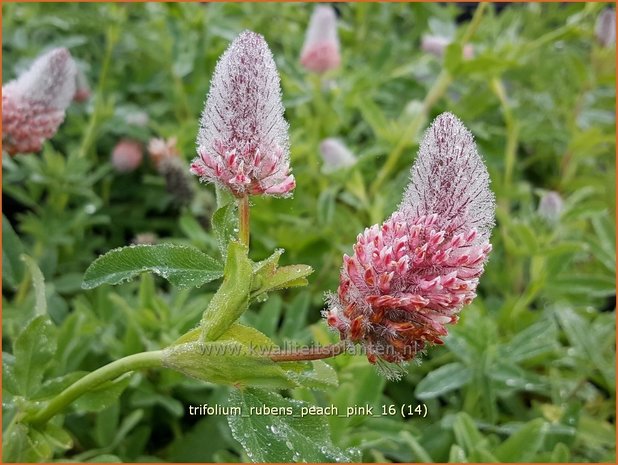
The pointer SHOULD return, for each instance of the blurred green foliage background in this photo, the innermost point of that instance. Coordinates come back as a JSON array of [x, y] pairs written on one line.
[[529, 372]]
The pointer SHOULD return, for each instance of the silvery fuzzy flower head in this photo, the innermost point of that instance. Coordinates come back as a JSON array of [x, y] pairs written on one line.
[[335, 155], [320, 51], [605, 27], [436, 45], [411, 275], [243, 140], [34, 104], [550, 206]]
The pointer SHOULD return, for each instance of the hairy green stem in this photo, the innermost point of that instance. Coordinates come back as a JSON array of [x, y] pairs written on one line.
[[95, 379], [243, 220]]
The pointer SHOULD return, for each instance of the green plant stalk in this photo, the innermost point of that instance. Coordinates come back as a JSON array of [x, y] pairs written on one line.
[[435, 93], [92, 380], [437, 90], [244, 220], [321, 114], [89, 135]]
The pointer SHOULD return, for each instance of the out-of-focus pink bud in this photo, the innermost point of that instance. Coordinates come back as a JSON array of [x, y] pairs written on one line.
[[436, 45], [34, 104], [145, 238], [605, 28], [161, 149], [550, 206], [335, 155], [127, 155], [243, 141], [82, 88], [320, 51], [411, 275]]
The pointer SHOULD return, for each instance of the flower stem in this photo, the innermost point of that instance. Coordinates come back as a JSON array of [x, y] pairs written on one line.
[[313, 353], [243, 220], [95, 379]]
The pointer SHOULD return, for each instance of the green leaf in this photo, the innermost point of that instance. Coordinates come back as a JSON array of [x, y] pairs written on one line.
[[225, 226], [229, 360], [232, 298], [57, 437], [593, 285], [523, 445], [12, 248], [314, 375], [235, 359], [21, 443], [34, 349], [466, 433], [560, 454], [537, 339], [286, 277], [296, 315], [183, 266], [101, 398], [282, 438], [38, 283], [442, 380]]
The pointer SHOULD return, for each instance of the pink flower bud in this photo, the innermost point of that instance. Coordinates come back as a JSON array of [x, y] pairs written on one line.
[[605, 28], [127, 155], [34, 104], [162, 149], [320, 51], [243, 140], [335, 155], [550, 206], [412, 275], [436, 45]]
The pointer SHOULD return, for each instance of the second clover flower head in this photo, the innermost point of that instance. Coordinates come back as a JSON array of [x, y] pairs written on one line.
[[320, 51], [411, 275], [243, 141], [34, 104]]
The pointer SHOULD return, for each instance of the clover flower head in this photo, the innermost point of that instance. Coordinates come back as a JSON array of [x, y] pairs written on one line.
[[320, 51], [605, 27], [411, 275], [243, 139], [127, 155], [34, 104], [335, 155], [436, 45]]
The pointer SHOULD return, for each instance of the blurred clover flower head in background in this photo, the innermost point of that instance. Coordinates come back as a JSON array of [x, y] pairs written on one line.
[[161, 149], [335, 155], [436, 45], [168, 162], [605, 28], [34, 104], [243, 139], [320, 51], [411, 275], [127, 155], [550, 206]]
